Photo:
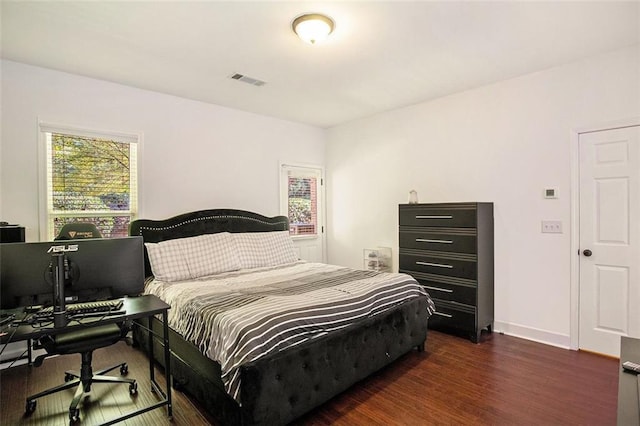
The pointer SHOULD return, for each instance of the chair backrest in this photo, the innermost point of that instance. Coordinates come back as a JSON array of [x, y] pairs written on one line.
[[78, 230]]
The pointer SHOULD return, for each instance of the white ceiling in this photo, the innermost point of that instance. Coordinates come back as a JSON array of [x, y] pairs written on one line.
[[382, 54]]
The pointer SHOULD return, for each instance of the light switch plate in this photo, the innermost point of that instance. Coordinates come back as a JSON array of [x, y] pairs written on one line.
[[552, 227]]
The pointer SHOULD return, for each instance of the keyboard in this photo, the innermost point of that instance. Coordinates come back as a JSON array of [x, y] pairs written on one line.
[[86, 309]]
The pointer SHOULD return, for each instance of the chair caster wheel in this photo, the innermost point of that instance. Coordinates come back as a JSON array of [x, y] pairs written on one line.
[[124, 369], [74, 416], [69, 377], [133, 388], [30, 407]]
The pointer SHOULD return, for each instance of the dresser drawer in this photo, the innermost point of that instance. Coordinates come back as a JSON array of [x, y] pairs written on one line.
[[450, 292], [457, 266], [434, 240], [451, 217], [449, 317]]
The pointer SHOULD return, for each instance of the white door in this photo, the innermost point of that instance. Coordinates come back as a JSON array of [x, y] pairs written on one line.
[[609, 303], [302, 201]]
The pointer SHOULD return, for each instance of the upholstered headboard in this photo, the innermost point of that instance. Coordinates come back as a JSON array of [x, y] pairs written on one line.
[[203, 222]]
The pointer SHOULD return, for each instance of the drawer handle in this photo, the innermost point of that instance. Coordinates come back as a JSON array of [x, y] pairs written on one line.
[[442, 314], [425, 240], [434, 217], [446, 290], [438, 265]]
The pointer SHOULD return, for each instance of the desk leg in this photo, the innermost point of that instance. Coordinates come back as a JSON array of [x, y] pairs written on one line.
[[155, 387], [167, 363], [30, 352], [152, 373], [167, 360]]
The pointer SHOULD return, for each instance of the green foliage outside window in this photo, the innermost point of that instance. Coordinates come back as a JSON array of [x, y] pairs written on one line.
[[90, 180], [90, 174], [299, 211], [300, 200]]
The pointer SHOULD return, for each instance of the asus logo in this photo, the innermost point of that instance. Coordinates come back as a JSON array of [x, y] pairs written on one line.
[[63, 249]]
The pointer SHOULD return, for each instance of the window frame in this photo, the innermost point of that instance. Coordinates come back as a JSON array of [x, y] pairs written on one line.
[[45, 231]]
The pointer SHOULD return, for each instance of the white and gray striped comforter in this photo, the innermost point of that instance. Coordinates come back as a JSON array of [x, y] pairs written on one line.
[[237, 317]]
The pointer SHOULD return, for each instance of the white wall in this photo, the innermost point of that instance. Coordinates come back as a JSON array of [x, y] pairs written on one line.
[[194, 155], [503, 143]]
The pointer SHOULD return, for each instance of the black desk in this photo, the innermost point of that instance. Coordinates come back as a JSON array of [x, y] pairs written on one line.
[[628, 408], [136, 308]]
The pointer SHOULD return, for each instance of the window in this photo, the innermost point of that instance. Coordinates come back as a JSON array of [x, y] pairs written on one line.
[[302, 186], [90, 178]]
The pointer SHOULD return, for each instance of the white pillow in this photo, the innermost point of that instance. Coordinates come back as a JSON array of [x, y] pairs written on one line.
[[258, 249], [193, 257], [168, 261]]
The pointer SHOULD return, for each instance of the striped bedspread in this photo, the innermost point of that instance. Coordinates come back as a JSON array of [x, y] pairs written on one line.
[[238, 317]]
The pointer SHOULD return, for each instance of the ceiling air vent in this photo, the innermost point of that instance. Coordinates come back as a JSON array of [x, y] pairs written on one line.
[[248, 80]]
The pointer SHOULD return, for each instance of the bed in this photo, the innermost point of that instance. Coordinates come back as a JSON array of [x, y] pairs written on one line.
[[302, 362]]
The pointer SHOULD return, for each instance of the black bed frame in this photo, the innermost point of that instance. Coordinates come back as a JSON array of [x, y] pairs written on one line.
[[280, 387]]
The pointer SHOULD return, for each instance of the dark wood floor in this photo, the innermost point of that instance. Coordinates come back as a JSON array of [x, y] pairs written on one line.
[[503, 381]]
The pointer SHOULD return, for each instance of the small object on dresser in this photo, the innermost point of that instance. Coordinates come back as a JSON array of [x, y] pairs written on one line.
[[378, 259], [413, 197]]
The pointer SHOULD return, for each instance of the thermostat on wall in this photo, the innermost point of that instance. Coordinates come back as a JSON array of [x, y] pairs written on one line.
[[551, 193]]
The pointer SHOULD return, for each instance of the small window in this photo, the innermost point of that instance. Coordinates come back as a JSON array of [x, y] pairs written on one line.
[[90, 178], [302, 187]]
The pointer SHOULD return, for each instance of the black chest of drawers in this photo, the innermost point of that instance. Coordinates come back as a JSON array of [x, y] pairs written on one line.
[[448, 248]]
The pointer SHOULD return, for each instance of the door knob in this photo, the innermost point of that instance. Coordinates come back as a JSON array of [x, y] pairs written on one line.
[[587, 252]]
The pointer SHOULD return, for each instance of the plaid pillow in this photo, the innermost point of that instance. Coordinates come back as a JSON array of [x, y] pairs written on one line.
[[194, 257], [168, 262], [258, 249]]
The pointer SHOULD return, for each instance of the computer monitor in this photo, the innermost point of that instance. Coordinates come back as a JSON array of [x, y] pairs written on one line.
[[95, 269]]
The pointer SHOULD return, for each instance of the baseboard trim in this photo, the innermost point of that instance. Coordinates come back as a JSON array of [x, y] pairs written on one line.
[[534, 334]]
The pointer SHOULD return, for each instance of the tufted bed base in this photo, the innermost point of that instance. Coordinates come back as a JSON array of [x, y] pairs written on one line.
[[279, 388]]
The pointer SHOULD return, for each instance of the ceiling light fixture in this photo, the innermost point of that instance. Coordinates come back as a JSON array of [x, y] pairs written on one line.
[[313, 27]]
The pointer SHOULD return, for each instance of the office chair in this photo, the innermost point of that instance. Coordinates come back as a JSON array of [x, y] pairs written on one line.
[[77, 230], [83, 341]]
